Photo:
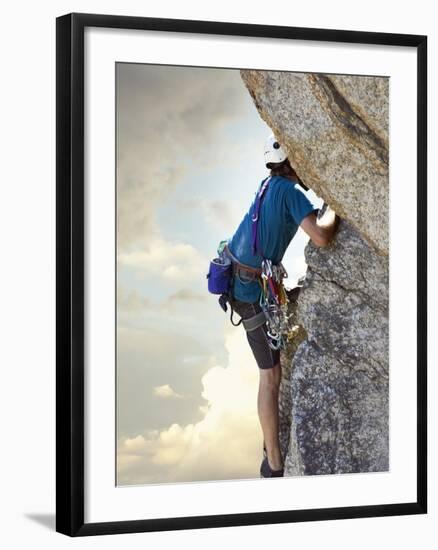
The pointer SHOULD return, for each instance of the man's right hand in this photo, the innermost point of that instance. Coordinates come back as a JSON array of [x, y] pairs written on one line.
[[321, 230]]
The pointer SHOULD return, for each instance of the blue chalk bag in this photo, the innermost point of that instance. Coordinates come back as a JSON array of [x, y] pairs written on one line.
[[219, 275]]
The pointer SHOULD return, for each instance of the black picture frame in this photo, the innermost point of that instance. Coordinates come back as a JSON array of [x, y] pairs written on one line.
[[70, 273]]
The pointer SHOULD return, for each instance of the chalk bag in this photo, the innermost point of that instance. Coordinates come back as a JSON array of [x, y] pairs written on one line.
[[219, 276]]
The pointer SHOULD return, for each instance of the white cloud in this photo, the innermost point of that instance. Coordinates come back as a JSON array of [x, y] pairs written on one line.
[[174, 261], [299, 267], [166, 391], [186, 295], [224, 444], [131, 301], [222, 213], [170, 120]]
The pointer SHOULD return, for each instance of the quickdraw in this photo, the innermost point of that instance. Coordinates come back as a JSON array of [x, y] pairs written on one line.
[[273, 301]]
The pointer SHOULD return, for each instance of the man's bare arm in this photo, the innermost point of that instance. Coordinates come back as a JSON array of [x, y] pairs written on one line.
[[321, 230]]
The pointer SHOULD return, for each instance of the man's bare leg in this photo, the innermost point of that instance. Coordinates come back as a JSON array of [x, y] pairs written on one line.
[[267, 404]]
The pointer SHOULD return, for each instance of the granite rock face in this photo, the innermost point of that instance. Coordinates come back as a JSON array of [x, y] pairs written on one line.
[[334, 392], [339, 379], [335, 131], [296, 335]]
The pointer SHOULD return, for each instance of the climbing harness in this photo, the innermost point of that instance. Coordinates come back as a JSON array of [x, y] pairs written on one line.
[[273, 297]]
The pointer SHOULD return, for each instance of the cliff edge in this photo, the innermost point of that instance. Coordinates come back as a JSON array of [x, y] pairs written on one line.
[[334, 393]]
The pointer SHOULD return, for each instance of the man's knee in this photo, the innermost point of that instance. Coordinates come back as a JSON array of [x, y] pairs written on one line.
[[270, 378]]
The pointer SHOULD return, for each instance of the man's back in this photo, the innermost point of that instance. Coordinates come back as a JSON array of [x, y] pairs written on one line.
[[283, 208]]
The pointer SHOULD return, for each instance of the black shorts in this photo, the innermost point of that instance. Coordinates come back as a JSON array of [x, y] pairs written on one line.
[[258, 339]]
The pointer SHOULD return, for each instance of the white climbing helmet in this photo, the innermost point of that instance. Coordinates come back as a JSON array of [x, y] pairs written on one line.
[[273, 151]]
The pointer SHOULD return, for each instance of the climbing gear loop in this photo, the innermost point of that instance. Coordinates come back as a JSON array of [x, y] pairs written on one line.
[[273, 301]]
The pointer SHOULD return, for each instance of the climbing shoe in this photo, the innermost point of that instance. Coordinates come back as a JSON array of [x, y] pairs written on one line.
[[266, 470]]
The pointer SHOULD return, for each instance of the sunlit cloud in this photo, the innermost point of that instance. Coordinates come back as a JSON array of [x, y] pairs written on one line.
[[153, 350], [166, 391], [224, 444]]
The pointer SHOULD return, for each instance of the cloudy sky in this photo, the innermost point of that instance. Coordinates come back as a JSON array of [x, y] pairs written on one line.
[[189, 160]]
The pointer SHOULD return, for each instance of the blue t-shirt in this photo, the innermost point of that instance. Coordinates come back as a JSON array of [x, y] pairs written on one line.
[[283, 208]]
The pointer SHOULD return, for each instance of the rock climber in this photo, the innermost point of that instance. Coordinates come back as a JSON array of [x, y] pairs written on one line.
[[283, 208]]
